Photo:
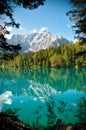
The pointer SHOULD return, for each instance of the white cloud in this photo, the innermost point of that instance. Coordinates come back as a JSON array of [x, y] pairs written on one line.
[[75, 41], [34, 31], [43, 29], [21, 28], [69, 26], [8, 36], [9, 28]]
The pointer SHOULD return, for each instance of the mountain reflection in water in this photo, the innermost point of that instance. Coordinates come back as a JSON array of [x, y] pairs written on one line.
[[34, 91]]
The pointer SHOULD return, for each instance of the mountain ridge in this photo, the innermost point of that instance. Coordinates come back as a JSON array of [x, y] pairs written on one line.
[[36, 40]]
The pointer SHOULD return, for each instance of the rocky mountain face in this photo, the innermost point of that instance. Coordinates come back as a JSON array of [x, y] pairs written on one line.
[[37, 40]]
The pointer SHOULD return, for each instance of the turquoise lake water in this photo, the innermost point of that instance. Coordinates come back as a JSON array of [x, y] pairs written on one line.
[[43, 94]]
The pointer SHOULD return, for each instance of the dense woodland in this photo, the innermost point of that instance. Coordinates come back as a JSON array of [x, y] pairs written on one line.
[[66, 55]]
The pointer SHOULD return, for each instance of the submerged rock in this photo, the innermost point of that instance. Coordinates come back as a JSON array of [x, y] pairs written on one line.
[[8, 122]]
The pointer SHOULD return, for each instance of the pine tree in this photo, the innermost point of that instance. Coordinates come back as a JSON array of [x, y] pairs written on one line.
[[78, 16]]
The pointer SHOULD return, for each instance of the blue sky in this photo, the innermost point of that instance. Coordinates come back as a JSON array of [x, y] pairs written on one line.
[[51, 15]]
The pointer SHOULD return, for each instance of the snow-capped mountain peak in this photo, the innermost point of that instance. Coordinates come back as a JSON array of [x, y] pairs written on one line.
[[37, 40]]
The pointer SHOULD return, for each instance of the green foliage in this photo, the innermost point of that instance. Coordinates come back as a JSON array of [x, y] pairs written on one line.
[[55, 60], [71, 55], [12, 112], [6, 12], [81, 112], [8, 51], [61, 108], [51, 115], [8, 6], [78, 16], [36, 124]]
